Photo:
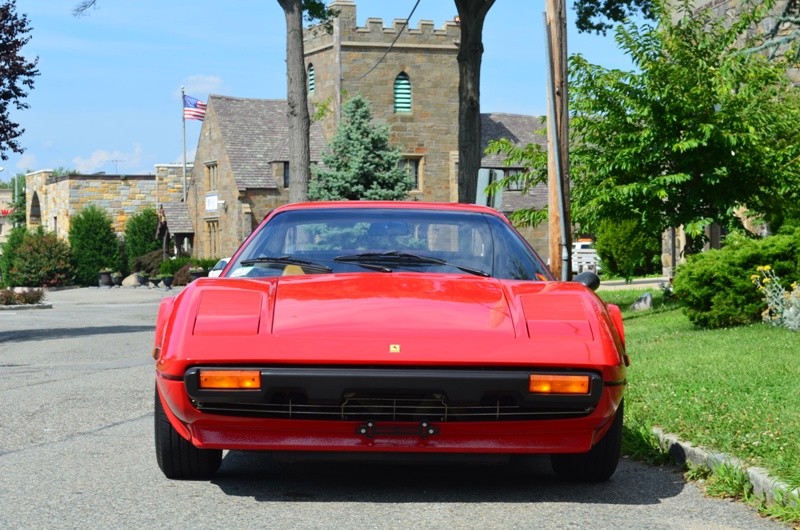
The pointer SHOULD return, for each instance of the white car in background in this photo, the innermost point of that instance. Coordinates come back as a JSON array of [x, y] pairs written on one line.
[[584, 257], [216, 270]]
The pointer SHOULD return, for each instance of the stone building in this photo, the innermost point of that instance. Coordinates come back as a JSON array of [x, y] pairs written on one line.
[[53, 199], [411, 81], [241, 171]]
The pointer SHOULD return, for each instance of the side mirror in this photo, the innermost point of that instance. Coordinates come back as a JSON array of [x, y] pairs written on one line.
[[589, 279]]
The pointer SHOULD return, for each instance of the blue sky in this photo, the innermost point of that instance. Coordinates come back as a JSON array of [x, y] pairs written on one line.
[[108, 97]]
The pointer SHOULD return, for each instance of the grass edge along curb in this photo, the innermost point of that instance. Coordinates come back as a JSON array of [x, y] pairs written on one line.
[[771, 490]]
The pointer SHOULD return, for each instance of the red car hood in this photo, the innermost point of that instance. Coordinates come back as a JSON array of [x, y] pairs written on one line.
[[391, 305], [377, 318]]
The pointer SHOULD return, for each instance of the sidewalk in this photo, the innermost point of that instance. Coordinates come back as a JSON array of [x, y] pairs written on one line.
[[636, 283], [91, 295]]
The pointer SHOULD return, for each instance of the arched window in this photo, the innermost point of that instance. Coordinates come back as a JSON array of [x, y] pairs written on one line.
[[311, 81], [402, 93]]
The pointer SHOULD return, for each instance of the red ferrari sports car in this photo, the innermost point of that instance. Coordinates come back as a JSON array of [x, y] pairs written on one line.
[[389, 327]]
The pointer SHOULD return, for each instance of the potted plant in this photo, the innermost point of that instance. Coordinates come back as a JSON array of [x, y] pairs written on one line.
[[104, 278], [116, 278], [142, 277], [166, 279], [196, 271]]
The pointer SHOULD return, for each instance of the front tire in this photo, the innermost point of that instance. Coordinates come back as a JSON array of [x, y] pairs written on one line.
[[177, 457], [599, 463]]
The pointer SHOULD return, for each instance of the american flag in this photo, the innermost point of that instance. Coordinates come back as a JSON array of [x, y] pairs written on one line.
[[193, 108]]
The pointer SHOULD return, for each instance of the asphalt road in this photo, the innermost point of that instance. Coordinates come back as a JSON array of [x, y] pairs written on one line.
[[76, 451]]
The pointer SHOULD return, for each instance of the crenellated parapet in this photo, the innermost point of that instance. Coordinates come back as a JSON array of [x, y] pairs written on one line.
[[375, 32]]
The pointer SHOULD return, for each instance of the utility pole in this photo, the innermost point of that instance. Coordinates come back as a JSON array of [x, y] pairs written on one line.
[[559, 225]]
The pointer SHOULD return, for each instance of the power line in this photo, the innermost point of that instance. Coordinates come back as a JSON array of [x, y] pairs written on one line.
[[405, 24]]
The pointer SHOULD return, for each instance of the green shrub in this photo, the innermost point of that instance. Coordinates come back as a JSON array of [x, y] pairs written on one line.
[[182, 274], [171, 266], [715, 287], [149, 263], [13, 242], [42, 260], [140, 236], [626, 250], [94, 244]]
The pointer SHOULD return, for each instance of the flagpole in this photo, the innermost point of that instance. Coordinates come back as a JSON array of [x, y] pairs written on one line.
[[183, 117]]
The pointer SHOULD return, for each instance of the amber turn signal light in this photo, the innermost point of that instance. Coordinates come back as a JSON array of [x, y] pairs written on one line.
[[230, 379], [558, 384]]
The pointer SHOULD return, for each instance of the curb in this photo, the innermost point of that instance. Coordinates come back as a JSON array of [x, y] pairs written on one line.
[[22, 307], [764, 486]]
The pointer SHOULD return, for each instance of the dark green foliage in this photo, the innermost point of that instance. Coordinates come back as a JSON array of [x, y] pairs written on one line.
[[359, 163], [16, 74], [94, 244], [140, 235], [701, 126], [42, 260], [715, 287], [181, 276], [149, 263], [627, 250], [171, 266], [591, 13], [10, 247]]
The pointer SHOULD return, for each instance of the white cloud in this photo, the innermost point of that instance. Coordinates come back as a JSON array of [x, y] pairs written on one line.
[[114, 162]]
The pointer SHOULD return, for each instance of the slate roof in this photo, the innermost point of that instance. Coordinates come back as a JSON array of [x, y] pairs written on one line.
[[255, 132], [520, 130], [178, 220], [516, 127]]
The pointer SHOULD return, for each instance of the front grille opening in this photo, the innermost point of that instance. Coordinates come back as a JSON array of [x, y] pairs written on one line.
[[399, 407]]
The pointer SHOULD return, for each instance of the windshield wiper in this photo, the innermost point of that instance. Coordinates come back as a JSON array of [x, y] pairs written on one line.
[[399, 257], [287, 260]]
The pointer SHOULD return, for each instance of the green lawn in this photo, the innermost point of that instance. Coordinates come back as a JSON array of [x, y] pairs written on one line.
[[733, 390]]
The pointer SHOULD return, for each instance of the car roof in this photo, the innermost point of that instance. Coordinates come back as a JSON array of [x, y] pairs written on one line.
[[394, 205]]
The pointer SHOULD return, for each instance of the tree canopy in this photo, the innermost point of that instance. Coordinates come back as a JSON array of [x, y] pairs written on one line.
[[602, 15], [16, 74], [359, 162], [700, 129]]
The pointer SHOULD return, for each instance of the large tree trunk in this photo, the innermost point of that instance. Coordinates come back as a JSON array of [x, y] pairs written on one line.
[[472, 14], [299, 120]]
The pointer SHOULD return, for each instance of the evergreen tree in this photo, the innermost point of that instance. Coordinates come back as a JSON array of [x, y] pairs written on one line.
[[140, 235], [359, 163], [94, 244]]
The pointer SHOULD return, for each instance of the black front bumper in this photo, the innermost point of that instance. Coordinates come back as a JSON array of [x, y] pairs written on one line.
[[396, 394]]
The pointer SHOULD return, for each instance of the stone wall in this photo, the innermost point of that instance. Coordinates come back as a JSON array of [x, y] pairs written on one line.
[[52, 201]]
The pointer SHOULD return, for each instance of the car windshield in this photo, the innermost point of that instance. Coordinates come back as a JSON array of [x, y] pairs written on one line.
[[387, 240]]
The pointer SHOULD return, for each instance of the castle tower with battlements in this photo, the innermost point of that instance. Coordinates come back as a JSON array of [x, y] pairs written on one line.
[[409, 76]]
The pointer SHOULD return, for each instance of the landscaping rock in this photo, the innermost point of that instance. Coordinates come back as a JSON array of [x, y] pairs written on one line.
[[644, 303]]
